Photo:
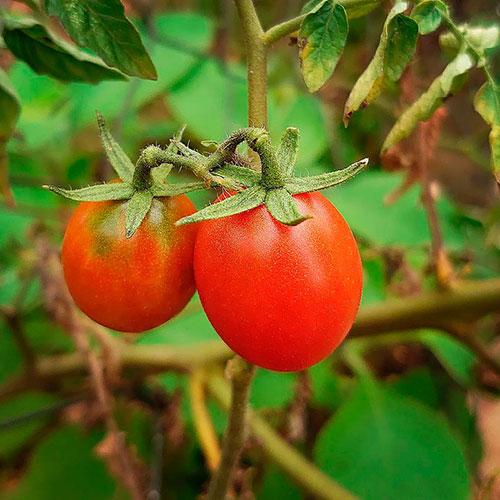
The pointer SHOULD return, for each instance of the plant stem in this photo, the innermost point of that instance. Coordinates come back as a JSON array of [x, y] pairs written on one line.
[[466, 301], [241, 378], [256, 63], [481, 59], [283, 29], [288, 459]]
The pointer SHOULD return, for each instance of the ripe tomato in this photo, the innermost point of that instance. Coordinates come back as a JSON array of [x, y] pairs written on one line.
[[133, 284], [281, 297]]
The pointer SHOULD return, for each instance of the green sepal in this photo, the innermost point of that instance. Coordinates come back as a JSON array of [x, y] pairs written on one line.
[[210, 144], [160, 173], [177, 137], [116, 156], [176, 189], [283, 208], [288, 149], [137, 208], [241, 202], [296, 185], [185, 150], [99, 192], [241, 175]]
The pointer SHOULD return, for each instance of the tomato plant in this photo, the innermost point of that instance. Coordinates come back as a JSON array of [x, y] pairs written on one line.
[[130, 284], [392, 401], [283, 297]]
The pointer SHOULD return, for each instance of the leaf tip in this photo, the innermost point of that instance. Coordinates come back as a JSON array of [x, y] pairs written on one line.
[[299, 220]]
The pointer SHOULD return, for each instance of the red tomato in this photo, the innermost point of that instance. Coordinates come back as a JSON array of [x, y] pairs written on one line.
[[133, 284], [281, 297]]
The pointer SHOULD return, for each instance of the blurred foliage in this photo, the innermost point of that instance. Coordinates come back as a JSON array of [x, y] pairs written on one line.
[[406, 431]]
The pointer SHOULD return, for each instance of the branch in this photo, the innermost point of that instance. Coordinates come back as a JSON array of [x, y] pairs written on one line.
[[288, 459], [467, 301], [242, 374]]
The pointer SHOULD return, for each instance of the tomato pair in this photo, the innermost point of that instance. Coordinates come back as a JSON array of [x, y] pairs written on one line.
[[282, 297]]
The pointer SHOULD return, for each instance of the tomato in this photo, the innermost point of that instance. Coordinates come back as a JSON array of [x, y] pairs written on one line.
[[133, 284], [282, 297]]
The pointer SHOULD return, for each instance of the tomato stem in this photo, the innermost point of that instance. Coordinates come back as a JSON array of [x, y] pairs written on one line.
[[256, 63], [242, 374]]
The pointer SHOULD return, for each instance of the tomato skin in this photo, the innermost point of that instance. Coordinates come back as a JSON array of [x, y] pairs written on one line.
[[134, 284], [281, 297]]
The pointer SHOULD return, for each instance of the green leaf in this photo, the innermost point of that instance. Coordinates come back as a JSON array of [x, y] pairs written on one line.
[[104, 28], [381, 445], [322, 37], [99, 192], [48, 55], [283, 208], [419, 384], [176, 189], [395, 50], [423, 108], [429, 15], [297, 185], [64, 465], [241, 202], [288, 150], [458, 360], [11, 107], [487, 104], [401, 45], [244, 176], [137, 208], [116, 156]]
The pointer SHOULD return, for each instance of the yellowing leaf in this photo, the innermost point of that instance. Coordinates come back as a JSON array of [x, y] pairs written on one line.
[[10, 107], [322, 38], [395, 50], [487, 104], [423, 108]]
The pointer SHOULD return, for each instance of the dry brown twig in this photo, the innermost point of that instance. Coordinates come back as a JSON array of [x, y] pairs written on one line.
[[121, 461], [413, 156], [297, 412]]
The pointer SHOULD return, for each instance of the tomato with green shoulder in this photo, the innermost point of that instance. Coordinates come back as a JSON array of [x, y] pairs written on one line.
[[130, 284]]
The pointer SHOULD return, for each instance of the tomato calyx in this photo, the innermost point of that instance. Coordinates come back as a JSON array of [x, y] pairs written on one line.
[[224, 167], [139, 184], [275, 185]]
